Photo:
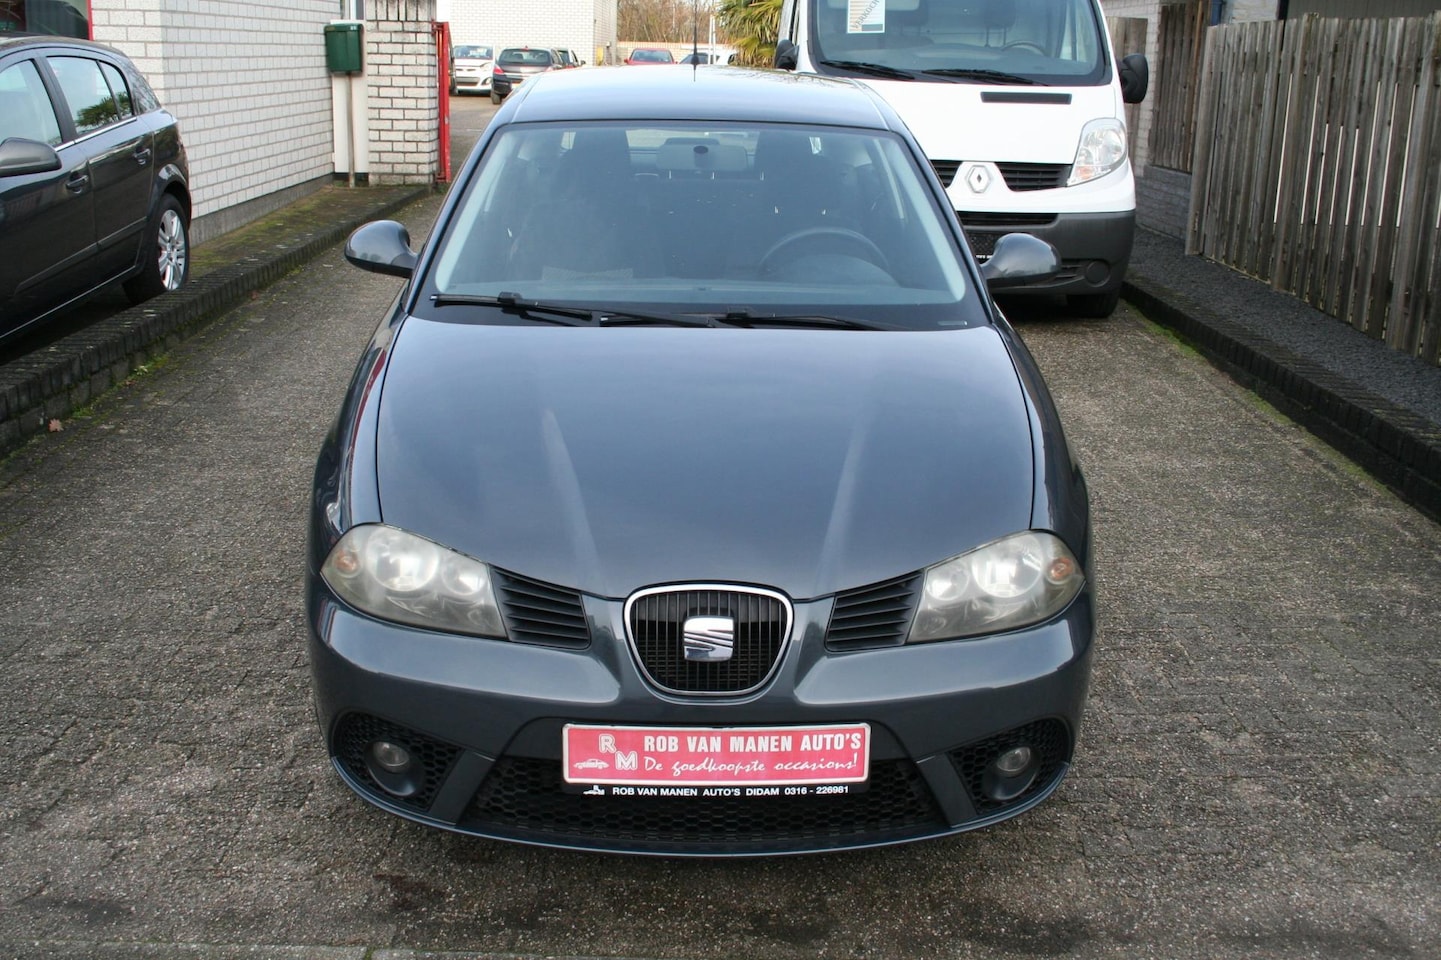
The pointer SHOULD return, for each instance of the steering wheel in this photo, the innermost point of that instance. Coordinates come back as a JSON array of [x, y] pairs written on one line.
[[867, 247], [1025, 44]]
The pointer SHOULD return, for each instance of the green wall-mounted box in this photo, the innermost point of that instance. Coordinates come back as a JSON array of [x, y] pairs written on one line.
[[343, 46]]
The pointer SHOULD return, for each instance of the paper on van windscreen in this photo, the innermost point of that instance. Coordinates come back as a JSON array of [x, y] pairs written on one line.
[[866, 16]]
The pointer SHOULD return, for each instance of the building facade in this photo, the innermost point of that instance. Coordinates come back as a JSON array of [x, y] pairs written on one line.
[[262, 115], [585, 26]]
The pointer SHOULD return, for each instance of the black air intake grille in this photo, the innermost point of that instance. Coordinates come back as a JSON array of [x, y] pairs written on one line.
[[874, 616], [523, 798], [946, 170], [1035, 176], [537, 612], [656, 622]]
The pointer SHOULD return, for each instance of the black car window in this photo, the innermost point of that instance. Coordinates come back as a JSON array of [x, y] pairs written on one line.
[[25, 109], [119, 89], [92, 106]]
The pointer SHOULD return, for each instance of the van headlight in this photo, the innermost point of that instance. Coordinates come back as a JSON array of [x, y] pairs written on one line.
[[1101, 150], [394, 575], [1014, 582]]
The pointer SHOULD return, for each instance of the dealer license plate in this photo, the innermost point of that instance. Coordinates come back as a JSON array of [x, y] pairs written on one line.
[[717, 761]]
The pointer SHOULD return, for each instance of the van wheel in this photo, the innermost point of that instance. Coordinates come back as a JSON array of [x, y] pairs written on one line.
[[166, 256], [1097, 306]]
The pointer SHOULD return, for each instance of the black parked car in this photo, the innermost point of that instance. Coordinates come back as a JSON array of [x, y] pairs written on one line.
[[93, 180], [750, 538], [515, 64]]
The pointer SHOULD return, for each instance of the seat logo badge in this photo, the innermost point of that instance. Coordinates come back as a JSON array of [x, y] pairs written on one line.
[[709, 639], [978, 179]]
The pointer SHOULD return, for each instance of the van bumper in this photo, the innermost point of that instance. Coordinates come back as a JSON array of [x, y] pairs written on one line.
[[1095, 248]]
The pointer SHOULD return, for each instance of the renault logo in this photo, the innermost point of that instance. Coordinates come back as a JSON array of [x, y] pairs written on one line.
[[709, 639], [978, 178]]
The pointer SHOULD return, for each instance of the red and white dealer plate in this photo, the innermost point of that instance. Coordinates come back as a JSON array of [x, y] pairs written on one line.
[[665, 757]]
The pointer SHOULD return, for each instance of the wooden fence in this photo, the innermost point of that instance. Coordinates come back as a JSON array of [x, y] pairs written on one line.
[[1179, 42], [1317, 167]]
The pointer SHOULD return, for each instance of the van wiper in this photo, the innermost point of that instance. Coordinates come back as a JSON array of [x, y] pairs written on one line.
[[986, 76], [745, 318], [566, 316], [874, 69]]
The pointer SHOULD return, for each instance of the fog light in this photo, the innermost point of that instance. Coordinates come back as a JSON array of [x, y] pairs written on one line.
[[391, 757], [1014, 761]]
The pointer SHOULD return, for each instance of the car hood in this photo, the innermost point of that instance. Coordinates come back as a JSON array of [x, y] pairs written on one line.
[[606, 460]]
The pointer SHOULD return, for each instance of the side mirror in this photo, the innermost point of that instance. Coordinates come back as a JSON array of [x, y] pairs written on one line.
[[1020, 259], [788, 55], [19, 156], [382, 246], [1135, 77]]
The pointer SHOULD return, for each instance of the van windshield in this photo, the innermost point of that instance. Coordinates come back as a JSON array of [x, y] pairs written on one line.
[[1046, 42]]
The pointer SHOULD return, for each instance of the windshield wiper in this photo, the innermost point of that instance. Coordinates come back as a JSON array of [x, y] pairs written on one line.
[[564, 315], [745, 318], [986, 76], [875, 69]]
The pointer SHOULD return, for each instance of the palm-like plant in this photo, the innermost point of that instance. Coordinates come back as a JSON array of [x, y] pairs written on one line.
[[751, 26]]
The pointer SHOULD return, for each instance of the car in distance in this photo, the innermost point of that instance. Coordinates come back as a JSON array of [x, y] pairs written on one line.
[[750, 539], [569, 60], [470, 68], [515, 64], [650, 55], [94, 184]]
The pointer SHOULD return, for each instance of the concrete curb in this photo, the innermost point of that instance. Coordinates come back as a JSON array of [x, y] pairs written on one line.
[[1399, 448], [54, 382]]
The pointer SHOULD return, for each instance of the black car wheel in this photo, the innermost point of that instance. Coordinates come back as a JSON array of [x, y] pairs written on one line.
[[167, 263], [1096, 306], [495, 98]]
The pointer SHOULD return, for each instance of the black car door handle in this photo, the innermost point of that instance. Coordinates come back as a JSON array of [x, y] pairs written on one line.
[[142, 155], [77, 182]]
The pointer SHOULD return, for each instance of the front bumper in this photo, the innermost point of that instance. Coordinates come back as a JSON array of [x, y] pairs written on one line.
[[484, 717], [1095, 248]]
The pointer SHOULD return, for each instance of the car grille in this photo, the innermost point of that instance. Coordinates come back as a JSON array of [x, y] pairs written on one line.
[[1034, 176], [1047, 737], [946, 170], [357, 731], [522, 798], [873, 616], [655, 620], [540, 613]]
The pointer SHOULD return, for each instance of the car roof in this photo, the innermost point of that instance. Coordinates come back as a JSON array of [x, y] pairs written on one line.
[[700, 93], [18, 41]]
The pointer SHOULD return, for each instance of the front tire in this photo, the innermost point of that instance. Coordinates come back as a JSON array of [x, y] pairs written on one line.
[[1096, 306], [166, 258]]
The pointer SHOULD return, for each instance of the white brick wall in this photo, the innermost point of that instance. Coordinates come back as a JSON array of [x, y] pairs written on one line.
[[579, 25], [247, 80], [402, 80]]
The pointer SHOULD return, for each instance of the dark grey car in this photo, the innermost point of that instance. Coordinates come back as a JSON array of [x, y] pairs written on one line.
[[93, 180], [755, 538], [515, 64]]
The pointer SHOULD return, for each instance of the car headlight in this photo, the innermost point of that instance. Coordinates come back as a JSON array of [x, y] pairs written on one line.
[[1102, 149], [1020, 580], [399, 576]]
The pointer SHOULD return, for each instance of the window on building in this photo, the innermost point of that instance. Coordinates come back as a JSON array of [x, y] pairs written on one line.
[[61, 18]]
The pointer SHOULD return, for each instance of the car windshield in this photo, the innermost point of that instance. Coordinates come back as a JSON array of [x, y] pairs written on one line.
[[467, 52], [652, 56], [524, 58], [755, 219], [998, 41]]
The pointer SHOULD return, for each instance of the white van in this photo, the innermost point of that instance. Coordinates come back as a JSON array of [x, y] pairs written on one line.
[[1019, 104]]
